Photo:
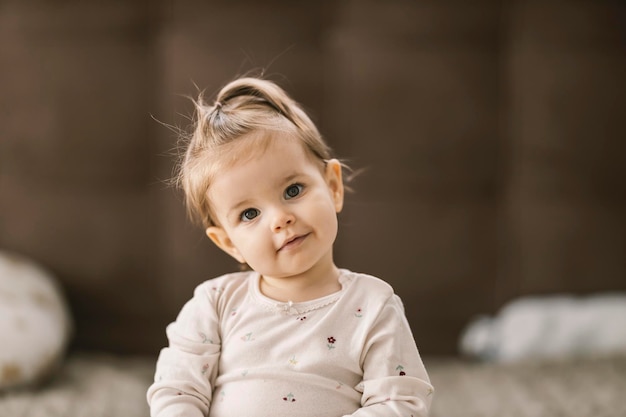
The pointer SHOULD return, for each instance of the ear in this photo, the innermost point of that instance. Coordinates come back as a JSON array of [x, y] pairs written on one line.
[[219, 236], [335, 182]]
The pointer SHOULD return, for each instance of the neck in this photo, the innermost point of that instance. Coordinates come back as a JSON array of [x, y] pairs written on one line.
[[304, 287]]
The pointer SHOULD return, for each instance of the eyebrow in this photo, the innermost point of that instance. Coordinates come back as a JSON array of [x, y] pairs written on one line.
[[291, 177]]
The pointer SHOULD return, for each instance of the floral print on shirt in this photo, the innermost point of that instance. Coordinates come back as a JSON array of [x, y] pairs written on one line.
[[331, 342]]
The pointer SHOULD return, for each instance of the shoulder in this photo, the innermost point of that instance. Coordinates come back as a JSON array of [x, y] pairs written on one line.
[[213, 296], [368, 285], [224, 287], [226, 281], [373, 294]]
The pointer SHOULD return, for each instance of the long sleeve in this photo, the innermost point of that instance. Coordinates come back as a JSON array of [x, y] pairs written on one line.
[[187, 368], [395, 381]]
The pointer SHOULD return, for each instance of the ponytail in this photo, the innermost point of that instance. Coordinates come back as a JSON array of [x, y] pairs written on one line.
[[260, 91]]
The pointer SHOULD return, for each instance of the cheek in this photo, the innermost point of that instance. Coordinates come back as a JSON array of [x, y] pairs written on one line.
[[237, 240], [249, 243], [325, 217]]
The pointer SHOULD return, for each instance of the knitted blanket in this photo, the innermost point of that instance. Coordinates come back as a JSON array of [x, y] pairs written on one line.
[[592, 387], [86, 386]]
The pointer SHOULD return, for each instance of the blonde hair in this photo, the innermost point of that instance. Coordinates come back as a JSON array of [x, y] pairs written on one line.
[[243, 108]]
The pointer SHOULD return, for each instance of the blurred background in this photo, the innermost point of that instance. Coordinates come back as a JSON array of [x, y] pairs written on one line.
[[491, 134]]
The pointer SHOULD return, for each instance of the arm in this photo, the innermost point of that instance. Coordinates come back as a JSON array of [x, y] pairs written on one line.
[[395, 382], [187, 368]]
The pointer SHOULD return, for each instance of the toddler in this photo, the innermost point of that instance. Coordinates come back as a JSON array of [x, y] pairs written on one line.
[[294, 335]]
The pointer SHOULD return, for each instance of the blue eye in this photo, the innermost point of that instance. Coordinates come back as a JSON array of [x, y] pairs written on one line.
[[249, 214], [293, 191]]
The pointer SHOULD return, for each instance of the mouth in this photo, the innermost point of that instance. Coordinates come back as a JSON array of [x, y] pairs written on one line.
[[293, 242]]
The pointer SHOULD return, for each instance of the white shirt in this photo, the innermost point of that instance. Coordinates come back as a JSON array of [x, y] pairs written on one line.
[[235, 353]]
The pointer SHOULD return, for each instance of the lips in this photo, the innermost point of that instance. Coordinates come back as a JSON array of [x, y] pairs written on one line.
[[293, 242]]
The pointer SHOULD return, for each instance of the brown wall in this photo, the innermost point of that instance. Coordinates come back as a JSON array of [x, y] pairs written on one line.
[[492, 135]]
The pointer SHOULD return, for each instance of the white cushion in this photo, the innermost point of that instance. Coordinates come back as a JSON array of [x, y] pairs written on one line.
[[34, 322], [548, 327]]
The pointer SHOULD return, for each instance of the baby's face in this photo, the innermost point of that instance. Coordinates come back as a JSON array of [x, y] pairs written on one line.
[[277, 212]]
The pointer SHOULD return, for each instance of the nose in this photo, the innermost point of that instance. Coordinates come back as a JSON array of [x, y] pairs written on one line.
[[281, 220]]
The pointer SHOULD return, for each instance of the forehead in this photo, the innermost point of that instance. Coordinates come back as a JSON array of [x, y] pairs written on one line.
[[266, 145]]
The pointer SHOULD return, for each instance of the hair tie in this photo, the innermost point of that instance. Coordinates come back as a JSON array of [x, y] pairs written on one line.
[[218, 104]]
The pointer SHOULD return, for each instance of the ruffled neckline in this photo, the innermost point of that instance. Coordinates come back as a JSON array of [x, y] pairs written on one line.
[[294, 309]]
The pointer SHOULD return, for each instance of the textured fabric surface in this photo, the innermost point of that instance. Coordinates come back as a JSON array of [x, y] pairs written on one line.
[[87, 386], [576, 388], [104, 386]]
